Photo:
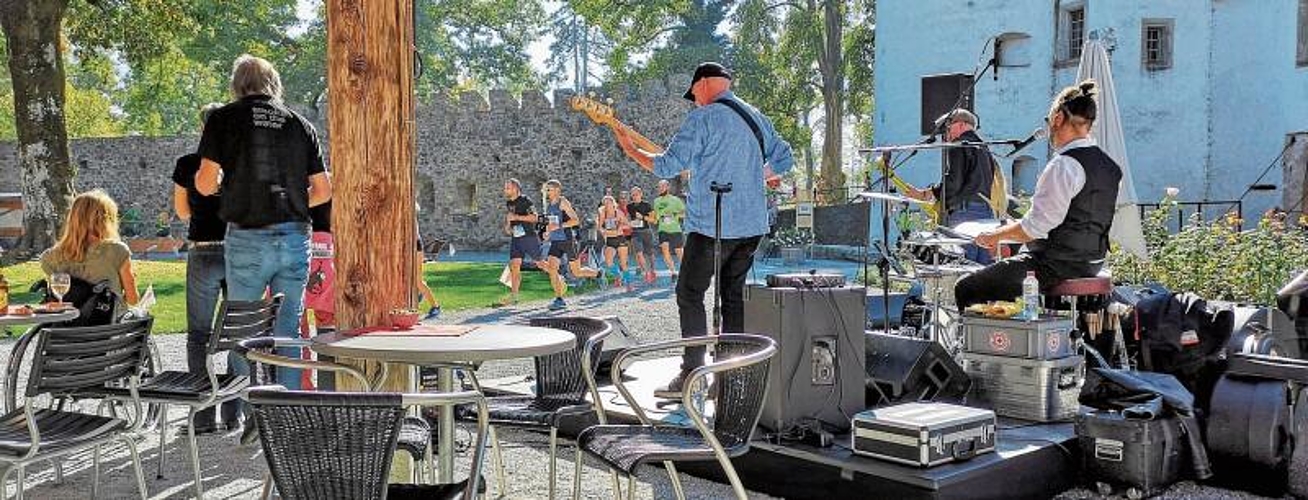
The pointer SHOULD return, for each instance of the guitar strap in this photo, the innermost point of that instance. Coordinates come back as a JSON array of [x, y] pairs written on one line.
[[749, 120]]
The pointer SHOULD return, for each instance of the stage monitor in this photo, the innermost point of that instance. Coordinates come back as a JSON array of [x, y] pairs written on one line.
[[940, 93]]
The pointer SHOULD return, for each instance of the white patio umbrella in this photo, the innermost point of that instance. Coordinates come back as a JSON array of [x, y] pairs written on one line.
[[1127, 230]]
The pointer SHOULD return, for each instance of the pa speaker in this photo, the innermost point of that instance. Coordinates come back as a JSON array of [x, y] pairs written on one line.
[[940, 93], [817, 373], [910, 369]]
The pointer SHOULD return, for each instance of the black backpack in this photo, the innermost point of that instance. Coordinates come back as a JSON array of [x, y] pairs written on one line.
[[95, 302], [1181, 335]]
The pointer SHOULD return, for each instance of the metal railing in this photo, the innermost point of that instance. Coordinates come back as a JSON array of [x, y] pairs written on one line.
[[1186, 209]]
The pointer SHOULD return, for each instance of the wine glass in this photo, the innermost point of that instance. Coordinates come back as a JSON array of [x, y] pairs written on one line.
[[59, 285]]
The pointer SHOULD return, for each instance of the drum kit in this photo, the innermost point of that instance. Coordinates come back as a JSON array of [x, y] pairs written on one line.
[[938, 262]]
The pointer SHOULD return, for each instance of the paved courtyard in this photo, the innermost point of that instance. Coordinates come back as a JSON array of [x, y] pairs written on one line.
[[232, 471]]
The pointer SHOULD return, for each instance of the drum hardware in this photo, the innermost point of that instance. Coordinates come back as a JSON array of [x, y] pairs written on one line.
[[892, 198]]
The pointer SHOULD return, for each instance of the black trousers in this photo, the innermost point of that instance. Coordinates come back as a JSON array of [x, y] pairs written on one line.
[[696, 275], [1003, 280]]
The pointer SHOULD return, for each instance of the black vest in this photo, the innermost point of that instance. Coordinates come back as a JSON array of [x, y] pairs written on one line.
[[1083, 235]]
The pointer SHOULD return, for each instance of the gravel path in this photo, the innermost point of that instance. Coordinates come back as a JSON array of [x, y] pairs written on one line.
[[232, 471]]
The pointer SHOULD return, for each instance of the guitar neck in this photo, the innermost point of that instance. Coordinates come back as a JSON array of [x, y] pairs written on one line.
[[639, 140]]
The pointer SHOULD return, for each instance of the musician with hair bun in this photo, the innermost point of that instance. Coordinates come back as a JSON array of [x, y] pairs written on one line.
[[1066, 230]]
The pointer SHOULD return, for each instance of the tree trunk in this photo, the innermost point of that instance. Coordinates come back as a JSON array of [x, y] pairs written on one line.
[[832, 67], [36, 66], [371, 118]]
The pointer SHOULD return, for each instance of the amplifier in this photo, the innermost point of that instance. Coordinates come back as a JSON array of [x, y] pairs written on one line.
[[805, 280], [817, 373]]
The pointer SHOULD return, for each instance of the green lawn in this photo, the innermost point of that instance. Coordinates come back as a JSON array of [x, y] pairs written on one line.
[[458, 285]]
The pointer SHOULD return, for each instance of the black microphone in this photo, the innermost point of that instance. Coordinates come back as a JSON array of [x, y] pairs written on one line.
[[1036, 135]]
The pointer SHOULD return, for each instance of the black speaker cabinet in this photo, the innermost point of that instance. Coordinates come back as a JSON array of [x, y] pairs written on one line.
[[907, 369], [939, 95], [818, 370]]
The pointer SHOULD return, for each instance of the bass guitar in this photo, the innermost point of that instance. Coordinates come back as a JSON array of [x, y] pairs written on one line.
[[931, 210], [603, 114]]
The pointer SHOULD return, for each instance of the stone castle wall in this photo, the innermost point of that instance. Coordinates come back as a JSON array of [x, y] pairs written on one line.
[[467, 147]]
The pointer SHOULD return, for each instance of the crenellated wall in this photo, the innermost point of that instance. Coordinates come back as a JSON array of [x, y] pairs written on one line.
[[467, 147]]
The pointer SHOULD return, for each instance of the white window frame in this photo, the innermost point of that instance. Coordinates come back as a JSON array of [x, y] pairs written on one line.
[[1066, 48], [1168, 30], [1301, 50]]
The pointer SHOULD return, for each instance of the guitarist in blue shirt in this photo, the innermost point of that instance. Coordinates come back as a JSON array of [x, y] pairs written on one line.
[[723, 140]]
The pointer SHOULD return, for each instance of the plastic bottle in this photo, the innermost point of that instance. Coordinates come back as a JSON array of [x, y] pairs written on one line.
[[1030, 296]]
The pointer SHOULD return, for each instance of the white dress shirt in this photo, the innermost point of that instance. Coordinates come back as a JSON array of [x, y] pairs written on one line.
[[1061, 181]]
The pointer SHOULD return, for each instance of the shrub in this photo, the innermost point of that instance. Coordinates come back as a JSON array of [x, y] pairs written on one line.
[[1217, 259]]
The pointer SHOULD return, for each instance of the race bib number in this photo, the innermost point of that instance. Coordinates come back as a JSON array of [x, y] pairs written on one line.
[[637, 223], [610, 224], [668, 219], [519, 232]]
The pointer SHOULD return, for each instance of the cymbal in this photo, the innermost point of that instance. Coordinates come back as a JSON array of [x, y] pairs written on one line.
[[937, 241], [893, 198]]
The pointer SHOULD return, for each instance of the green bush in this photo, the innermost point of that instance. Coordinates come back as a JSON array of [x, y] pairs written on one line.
[[1217, 260]]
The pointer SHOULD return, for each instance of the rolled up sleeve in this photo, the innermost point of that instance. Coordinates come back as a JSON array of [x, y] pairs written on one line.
[[685, 147], [780, 157], [1054, 190]]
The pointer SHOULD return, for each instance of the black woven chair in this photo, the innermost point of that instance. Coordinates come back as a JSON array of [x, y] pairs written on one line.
[[740, 383], [236, 320], [68, 362], [415, 435], [563, 381], [334, 445]]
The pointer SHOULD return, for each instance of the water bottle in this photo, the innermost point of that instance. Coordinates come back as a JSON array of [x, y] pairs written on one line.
[[1030, 296]]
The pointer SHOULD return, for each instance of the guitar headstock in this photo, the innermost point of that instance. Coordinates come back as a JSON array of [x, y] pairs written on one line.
[[599, 112]]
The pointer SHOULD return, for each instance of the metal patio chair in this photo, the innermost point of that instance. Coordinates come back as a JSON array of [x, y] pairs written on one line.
[[740, 381], [237, 320], [415, 435], [563, 381], [325, 445], [67, 362]]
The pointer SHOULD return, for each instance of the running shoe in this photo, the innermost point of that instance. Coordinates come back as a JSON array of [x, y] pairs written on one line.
[[558, 304], [433, 313]]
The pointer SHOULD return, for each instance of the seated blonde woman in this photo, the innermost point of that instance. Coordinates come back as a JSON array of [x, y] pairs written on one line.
[[89, 248]]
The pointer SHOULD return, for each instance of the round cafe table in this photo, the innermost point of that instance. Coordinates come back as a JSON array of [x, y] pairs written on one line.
[[443, 346], [20, 348]]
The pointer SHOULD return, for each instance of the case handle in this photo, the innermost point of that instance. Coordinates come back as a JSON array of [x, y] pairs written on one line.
[[959, 453]]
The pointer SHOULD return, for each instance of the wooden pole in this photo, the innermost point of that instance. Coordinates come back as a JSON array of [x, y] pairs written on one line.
[[370, 51]]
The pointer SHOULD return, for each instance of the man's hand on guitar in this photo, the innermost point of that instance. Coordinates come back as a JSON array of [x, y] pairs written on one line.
[[920, 194], [770, 178]]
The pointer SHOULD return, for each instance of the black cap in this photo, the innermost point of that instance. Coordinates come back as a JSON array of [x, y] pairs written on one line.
[[706, 70]]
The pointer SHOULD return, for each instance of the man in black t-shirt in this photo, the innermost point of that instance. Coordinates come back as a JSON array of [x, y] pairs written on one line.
[[205, 269], [267, 161], [641, 214], [520, 225]]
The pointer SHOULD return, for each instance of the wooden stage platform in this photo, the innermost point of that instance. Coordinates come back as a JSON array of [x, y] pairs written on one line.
[[1032, 460]]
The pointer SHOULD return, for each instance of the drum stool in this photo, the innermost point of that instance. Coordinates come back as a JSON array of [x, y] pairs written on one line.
[[1087, 299]]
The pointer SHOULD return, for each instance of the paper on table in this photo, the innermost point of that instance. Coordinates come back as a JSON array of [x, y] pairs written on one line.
[[420, 331], [143, 306]]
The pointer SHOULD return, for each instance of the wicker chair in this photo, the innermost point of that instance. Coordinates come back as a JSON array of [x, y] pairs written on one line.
[[69, 361], [415, 434], [740, 382], [563, 381], [237, 320], [332, 445]]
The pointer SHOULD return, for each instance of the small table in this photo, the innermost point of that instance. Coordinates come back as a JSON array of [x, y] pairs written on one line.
[[39, 319], [484, 343], [20, 348]]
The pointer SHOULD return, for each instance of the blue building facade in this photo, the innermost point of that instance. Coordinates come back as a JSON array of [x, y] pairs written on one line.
[[1209, 90]]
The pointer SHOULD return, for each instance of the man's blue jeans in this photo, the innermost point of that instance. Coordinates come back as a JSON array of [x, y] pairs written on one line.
[[972, 211], [205, 270], [274, 257]]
